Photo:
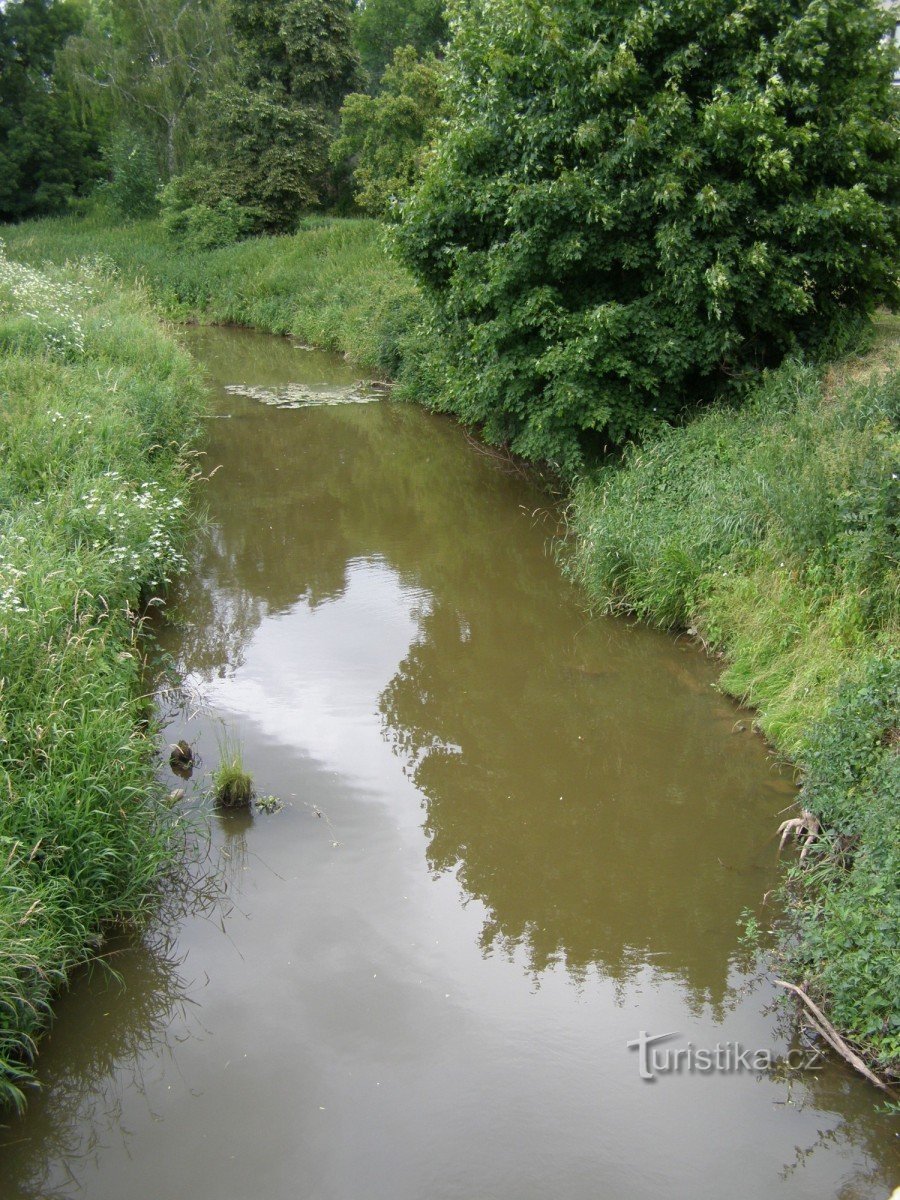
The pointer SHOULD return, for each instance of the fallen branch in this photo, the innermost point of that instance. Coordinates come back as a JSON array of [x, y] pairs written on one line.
[[823, 1026]]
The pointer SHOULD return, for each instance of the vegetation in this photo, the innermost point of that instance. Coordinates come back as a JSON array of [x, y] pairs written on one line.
[[628, 233], [382, 27], [772, 531], [232, 785], [48, 154], [386, 135], [332, 284], [631, 204], [98, 410], [267, 134], [142, 69]]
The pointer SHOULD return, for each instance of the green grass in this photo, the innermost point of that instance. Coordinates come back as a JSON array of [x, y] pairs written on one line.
[[232, 785], [98, 409], [772, 531], [332, 284]]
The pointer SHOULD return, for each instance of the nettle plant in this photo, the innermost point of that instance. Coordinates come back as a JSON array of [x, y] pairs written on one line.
[[634, 203]]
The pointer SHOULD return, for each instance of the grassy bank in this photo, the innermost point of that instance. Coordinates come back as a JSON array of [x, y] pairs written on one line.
[[332, 284], [98, 407], [772, 531]]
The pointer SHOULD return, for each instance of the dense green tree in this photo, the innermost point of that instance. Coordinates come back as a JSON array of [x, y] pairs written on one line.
[[48, 151], [268, 134], [299, 49], [384, 136], [632, 201], [381, 27]]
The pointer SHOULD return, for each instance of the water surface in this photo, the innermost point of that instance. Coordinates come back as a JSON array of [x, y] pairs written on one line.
[[513, 838]]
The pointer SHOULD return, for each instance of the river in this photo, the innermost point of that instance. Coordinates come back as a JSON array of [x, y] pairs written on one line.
[[514, 839]]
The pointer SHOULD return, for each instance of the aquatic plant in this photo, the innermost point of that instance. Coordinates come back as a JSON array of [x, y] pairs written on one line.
[[232, 784]]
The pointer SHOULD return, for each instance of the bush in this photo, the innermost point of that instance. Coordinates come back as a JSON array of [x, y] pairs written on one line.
[[632, 203], [196, 225]]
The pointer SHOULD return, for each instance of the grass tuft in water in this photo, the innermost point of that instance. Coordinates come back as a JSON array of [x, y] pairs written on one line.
[[232, 785]]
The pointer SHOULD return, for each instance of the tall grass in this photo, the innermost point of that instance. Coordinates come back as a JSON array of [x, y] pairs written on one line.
[[773, 532], [332, 284], [99, 409]]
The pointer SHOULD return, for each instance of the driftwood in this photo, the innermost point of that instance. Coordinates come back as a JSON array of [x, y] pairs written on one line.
[[805, 828], [823, 1026]]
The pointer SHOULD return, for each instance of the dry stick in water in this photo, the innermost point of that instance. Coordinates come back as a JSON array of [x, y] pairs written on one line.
[[833, 1038]]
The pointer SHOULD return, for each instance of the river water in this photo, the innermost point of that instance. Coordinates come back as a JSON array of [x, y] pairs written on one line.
[[513, 840]]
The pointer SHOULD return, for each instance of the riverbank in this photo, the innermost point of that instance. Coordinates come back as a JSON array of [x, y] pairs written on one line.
[[771, 533], [99, 412], [332, 285], [769, 530]]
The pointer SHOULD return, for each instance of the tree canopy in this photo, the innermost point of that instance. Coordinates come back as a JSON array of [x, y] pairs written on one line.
[[634, 201], [382, 27], [267, 134], [385, 135], [147, 65], [48, 151]]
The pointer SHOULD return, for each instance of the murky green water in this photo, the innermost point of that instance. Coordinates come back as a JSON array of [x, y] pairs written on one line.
[[513, 839]]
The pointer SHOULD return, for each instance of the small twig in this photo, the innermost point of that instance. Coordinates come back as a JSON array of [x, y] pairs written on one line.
[[821, 1023]]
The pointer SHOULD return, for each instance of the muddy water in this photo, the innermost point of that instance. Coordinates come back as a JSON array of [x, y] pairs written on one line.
[[513, 839]]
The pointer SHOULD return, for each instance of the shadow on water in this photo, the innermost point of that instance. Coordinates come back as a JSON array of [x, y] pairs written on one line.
[[513, 838]]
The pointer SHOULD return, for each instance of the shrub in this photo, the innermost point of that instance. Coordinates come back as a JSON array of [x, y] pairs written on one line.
[[633, 202], [133, 180], [196, 225]]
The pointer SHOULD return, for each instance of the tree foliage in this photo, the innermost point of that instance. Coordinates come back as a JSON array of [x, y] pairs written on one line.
[[48, 152], [385, 135], [145, 66], [268, 134], [382, 27], [632, 201]]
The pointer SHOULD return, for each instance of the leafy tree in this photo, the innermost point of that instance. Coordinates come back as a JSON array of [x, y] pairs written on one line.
[[47, 151], [301, 49], [385, 135], [381, 27], [268, 135], [145, 66], [633, 201]]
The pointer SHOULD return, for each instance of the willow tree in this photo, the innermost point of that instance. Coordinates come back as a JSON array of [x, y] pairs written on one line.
[[147, 66]]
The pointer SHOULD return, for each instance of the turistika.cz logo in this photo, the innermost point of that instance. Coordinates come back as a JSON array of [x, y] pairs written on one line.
[[725, 1058]]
